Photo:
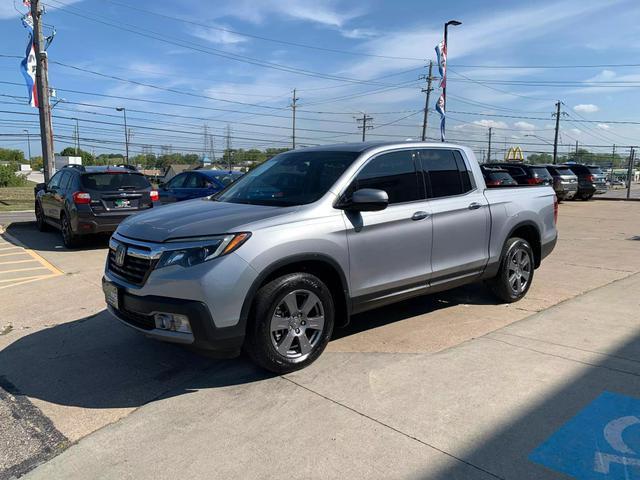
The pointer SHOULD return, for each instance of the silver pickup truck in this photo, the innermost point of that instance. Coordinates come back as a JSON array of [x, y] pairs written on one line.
[[312, 236]]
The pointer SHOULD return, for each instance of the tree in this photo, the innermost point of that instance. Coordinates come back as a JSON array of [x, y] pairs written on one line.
[[539, 158], [87, 157], [8, 177], [12, 156]]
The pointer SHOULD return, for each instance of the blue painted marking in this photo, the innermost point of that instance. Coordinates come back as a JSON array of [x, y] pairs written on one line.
[[601, 442]]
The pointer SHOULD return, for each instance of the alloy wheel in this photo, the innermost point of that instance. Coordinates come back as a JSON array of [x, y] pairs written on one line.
[[519, 270]]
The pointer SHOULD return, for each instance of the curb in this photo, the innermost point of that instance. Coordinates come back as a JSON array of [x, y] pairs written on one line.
[[611, 199]]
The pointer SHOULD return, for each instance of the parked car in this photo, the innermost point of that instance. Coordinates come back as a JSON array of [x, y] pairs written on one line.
[[195, 184], [565, 182], [591, 180], [525, 174], [86, 200], [497, 177], [312, 236]]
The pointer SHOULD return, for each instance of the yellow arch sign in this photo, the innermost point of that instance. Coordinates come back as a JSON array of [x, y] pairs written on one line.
[[514, 153]]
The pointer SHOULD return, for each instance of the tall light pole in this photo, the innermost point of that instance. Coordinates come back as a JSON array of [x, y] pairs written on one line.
[[77, 138], [126, 134], [29, 144], [455, 23]]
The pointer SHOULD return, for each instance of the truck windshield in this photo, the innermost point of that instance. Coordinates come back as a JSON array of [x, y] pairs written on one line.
[[288, 179]]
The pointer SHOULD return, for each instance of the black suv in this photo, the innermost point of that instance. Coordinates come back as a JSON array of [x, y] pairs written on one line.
[[591, 180], [86, 200], [497, 177], [524, 173]]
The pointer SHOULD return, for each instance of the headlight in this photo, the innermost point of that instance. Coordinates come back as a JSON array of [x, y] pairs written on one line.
[[211, 247]]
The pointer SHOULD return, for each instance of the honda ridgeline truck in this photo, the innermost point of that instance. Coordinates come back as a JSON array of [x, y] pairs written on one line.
[[294, 248]]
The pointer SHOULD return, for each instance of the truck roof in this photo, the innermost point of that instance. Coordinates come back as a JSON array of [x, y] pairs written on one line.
[[360, 147]]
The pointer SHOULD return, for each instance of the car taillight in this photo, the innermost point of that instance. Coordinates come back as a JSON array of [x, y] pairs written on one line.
[[493, 183], [155, 196], [555, 210], [591, 178], [534, 181], [81, 198]]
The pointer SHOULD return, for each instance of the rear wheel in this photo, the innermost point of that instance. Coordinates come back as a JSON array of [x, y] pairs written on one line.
[[516, 271], [40, 220], [69, 238], [291, 324], [587, 196]]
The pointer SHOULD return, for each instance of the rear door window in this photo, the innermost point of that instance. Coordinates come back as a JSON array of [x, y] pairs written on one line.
[[105, 182], [445, 172], [393, 172], [195, 181], [178, 181]]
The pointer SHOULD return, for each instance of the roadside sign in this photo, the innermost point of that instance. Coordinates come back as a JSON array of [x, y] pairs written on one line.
[[601, 442]]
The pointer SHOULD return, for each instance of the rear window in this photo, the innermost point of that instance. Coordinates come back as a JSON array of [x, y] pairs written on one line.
[[499, 176], [540, 172], [105, 182], [564, 171], [595, 170]]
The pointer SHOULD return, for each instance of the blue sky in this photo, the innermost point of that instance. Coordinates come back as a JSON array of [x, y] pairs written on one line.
[[218, 77]]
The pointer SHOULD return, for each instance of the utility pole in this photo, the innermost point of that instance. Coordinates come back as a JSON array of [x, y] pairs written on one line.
[[613, 159], [555, 140], [42, 87], [204, 143], [428, 91], [630, 171], [576, 148], [489, 147], [77, 138], [126, 132], [28, 143], [294, 99], [229, 146], [364, 120]]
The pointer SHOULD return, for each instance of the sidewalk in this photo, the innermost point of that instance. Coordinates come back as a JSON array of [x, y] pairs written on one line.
[[474, 411]]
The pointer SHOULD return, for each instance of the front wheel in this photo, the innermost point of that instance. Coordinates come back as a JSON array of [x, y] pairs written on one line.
[[516, 271], [291, 323]]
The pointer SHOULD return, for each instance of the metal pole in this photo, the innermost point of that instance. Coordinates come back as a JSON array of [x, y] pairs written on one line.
[[555, 140], [126, 135], [29, 145], [77, 138], [293, 115], [425, 120], [444, 86], [630, 172], [489, 147], [42, 87]]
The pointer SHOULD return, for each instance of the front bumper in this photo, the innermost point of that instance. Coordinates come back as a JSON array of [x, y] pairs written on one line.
[[137, 312]]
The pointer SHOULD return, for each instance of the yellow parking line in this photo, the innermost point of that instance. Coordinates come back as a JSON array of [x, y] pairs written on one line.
[[26, 281], [11, 254], [44, 262], [9, 248], [22, 269], [25, 278], [17, 261]]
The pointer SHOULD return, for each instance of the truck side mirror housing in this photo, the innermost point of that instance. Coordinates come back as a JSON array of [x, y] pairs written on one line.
[[368, 200]]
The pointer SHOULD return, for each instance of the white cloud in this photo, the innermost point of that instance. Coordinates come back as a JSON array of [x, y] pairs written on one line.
[[586, 108], [219, 35], [358, 33], [490, 123], [575, 131], [524, 126], [604, 126]]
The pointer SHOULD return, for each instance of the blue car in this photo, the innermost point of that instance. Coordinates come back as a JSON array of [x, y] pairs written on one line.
[[195, 184]]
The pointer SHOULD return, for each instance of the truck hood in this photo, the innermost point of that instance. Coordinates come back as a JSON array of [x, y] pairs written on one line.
[[195, 218]]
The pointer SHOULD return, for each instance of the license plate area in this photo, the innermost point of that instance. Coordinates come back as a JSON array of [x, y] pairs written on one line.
[[111, 294]]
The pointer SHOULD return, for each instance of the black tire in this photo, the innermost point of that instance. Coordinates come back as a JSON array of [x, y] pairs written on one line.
[[587, 196], [40, 221], [270, 307], [508, 285], [69, 238]]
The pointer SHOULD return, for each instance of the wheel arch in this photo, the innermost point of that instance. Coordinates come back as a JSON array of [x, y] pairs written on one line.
[[322, 266], [528, 231]]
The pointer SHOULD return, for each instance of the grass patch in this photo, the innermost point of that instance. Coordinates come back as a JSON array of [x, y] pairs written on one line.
[[17, 198]]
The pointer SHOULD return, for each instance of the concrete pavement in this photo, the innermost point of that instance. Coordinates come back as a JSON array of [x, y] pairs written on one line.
[[67, 362]]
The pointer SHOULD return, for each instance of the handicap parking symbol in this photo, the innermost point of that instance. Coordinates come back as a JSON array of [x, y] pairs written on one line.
[[601, 442]]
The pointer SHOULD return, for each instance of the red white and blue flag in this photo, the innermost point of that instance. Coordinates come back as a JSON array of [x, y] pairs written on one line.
[[441, 52], [28, 64], [440, 110]]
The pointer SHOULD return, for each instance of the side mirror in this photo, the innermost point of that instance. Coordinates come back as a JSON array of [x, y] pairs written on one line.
[[40, 187], [368, 200]]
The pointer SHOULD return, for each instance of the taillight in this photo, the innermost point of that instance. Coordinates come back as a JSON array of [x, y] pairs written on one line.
[[555, 210], [81, 198], [534, 181], [591, 178], [493, 183], [155, 196]]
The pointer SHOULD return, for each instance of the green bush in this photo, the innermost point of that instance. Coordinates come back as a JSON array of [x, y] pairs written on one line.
[[8, 177]]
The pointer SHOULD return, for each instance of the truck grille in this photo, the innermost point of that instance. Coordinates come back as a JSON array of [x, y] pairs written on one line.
[[134, 269], [145, 322]]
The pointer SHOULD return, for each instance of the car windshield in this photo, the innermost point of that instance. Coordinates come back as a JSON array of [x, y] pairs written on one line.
[[110, 181], [293, 178]]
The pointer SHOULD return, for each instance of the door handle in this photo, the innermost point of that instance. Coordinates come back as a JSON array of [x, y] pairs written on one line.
[[419, 215], [474, 206]]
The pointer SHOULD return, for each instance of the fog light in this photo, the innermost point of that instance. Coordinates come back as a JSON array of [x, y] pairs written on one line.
[[173, 322]]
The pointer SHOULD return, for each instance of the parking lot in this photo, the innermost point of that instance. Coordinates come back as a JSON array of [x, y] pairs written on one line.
[[452, 385]]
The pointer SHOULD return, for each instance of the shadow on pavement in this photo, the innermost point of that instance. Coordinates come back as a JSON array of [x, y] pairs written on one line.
[[473, 294], [505, 453], [96, 362], [51, 240]]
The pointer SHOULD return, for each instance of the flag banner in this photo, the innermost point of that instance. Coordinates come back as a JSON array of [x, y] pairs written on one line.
[[440, 110], [28, 69], [27, 22], [441, 52]]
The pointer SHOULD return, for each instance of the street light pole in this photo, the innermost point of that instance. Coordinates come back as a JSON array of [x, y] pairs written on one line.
[[446, 50], [77, 138], [29, 144], [126, 134]]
